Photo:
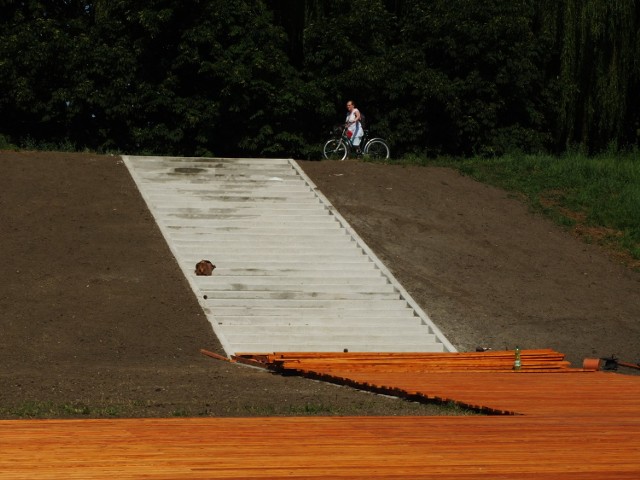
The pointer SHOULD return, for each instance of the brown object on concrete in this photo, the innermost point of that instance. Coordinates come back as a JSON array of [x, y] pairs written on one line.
[[205, 268]]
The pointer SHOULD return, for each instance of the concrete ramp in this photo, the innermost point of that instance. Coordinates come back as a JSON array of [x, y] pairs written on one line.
[[291, 274]]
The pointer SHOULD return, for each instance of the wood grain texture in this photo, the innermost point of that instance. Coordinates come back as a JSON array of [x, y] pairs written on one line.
[[560, 423]]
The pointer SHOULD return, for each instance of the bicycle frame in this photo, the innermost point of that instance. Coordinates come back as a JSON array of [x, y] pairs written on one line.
[[339, 147]]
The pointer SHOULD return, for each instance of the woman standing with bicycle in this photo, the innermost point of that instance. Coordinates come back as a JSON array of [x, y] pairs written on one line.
[[345, 139], [354, 127]]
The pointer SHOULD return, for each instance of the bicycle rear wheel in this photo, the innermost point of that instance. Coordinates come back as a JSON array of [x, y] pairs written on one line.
[[377, 149], [335, 150]]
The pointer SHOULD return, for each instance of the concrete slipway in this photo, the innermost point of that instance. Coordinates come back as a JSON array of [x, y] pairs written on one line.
[[291, 274]]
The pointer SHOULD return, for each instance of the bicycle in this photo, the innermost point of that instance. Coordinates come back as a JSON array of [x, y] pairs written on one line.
[[340, 146]]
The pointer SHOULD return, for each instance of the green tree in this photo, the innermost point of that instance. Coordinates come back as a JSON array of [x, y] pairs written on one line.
[[268, 78], [467, 76], [209, 77], [164, 77], [39, 69], [345, 47], [598, 72]]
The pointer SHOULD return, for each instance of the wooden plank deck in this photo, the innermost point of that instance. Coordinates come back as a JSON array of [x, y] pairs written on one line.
[[455, 448], [490, 361], [563, 424], [546, 384]]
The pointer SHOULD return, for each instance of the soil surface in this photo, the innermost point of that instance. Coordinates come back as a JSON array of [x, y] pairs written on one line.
[[97, 319]]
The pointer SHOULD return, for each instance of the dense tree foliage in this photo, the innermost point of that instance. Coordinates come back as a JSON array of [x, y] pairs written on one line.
[[234, 77]]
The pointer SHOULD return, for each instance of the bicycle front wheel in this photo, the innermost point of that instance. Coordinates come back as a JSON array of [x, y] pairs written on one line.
[[335, 150], [377, 149]]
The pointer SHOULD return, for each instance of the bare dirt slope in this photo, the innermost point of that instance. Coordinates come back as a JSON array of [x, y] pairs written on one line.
[[96, 318], [488, 271]]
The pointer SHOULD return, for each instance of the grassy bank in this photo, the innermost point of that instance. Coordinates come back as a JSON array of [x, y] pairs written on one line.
[[597, 198]]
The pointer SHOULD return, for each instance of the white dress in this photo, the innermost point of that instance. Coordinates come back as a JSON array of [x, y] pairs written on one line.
[[355, 128]]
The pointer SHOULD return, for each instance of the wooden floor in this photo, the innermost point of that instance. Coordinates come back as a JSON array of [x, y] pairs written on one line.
[[561, 423], [517, 447], [545, 385]]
